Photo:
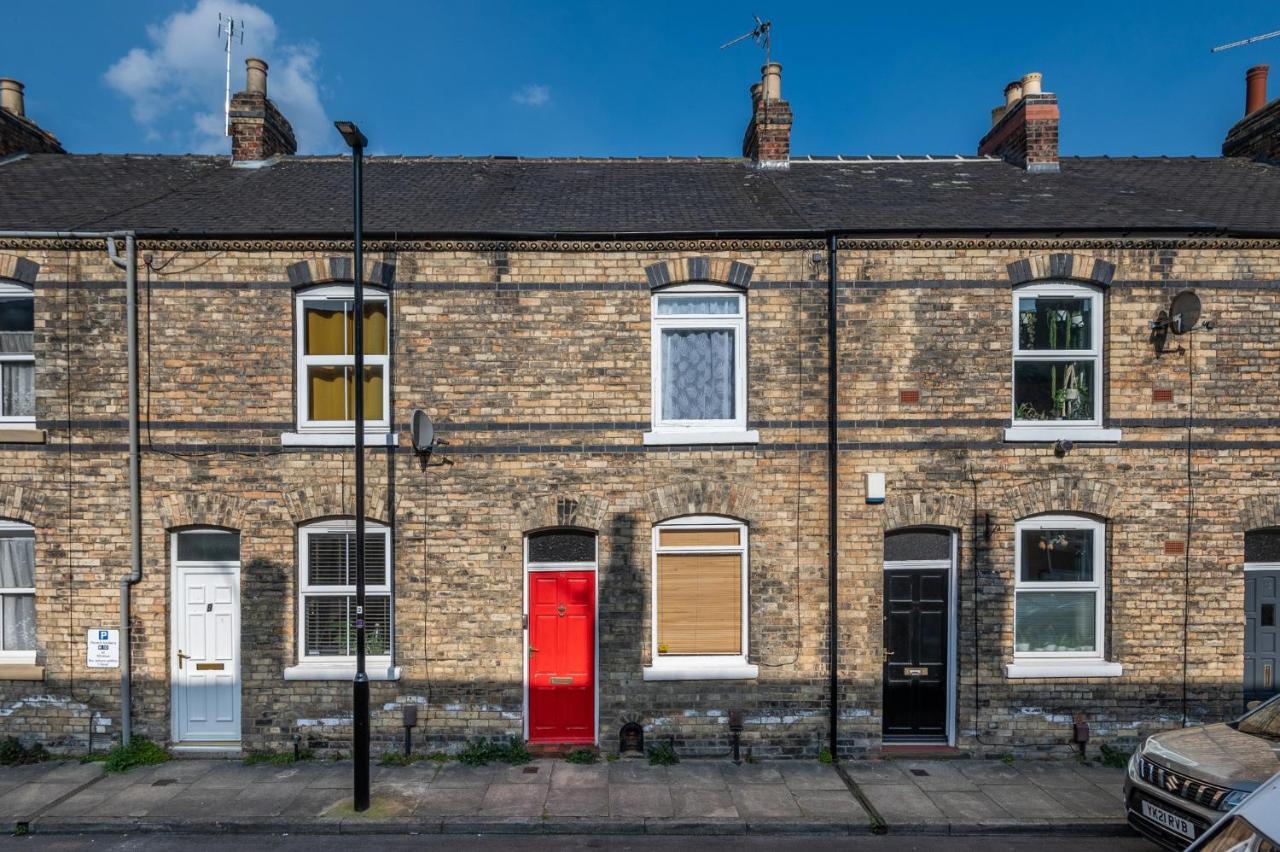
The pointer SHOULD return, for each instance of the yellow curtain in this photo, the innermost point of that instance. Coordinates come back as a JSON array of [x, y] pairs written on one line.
[[326, 393], [375, 329], [372, 393], [324, 329]]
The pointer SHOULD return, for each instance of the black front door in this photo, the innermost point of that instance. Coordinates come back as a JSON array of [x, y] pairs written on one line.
[[915, 647], [1261, 634]]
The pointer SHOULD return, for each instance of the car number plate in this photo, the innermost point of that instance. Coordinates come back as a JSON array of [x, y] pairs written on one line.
[[1173, 822]]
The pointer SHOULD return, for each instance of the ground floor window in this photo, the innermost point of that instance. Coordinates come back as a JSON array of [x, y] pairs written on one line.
[[1060, 606], [327, 592], [17, 593], [700, 594]]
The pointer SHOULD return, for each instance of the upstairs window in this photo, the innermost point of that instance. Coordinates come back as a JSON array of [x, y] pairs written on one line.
[[17, 355], [17, 593], [327, 597], [326, 359], [1057, 355], [699, 361]]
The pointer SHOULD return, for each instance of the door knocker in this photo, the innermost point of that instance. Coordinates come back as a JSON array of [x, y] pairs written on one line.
[[561, 609]]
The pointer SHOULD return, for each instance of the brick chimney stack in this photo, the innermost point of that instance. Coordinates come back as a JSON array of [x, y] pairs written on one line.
[[19, 134], [1257, 135], [767, 142], [258, 130], [1025, 130]]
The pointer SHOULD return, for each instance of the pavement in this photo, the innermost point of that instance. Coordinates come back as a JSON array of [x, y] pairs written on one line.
[[547, 796]]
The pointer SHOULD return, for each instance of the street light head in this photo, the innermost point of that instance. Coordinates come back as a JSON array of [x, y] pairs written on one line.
[[351, 134]]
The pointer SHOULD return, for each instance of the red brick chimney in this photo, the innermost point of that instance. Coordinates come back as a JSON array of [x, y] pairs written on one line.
[[1025, 130], [258, 130], [767, 142], [1257, 135], [17, 132]]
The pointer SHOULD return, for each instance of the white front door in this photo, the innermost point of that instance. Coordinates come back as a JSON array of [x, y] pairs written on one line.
[[206, 643]]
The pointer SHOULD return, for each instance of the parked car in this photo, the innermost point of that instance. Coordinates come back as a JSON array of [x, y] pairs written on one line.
[[1254, 826], [1181, 782]]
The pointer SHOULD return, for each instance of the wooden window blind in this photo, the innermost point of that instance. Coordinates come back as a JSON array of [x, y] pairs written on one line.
[[699, 538], [700, 601]]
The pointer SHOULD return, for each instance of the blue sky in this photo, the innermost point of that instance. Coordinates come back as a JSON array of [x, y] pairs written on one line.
[[621, 79]]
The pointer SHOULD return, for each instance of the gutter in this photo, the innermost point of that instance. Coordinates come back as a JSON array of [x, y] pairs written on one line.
[[833, 498], [130, 264]]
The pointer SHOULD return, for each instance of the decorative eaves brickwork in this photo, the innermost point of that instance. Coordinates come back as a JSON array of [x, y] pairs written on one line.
[[561, 510], [325, 270], [698, 498], [712, 269], [1076, 267], [202, 510], [915, 510], [1063, 494], [20, 269]]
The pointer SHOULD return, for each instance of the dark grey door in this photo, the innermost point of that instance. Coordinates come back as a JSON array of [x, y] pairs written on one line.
[[1261, 635]]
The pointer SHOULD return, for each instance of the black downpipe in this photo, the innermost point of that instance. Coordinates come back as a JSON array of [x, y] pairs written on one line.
[[833, 502]]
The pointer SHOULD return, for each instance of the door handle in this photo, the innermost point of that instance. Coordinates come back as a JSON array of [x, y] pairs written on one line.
[[532, 650], [888, 652], [182, 658]]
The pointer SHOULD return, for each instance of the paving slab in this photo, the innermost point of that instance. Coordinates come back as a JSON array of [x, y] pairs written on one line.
[[968, 807], [702, 803], [875, 772], [1024, 801], [1053, 774], [752, 773], [1085, 802], [538, 772], [636, 772], [138, 800], [764, 801], [831, 805], [26, 800], [72, 771], [450, 801], [577, 801], [579, 775], [811, 776], [461, 775], [267, 799], [700, 774], [938, 776], [640, 800], [193, 804], [990, 772], [514, 800], [901, 802]]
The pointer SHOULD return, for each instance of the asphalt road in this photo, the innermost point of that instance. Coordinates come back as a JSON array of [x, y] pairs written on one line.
[[158, 842]]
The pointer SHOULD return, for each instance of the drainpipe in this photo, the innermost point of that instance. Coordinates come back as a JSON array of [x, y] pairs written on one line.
[[833, 464], [130, 265]]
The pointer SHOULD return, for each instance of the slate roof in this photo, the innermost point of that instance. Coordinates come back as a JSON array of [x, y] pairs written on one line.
[[510, 197]]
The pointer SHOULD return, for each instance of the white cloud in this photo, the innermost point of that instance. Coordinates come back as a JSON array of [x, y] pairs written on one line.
[[533, 95], [176, 86]]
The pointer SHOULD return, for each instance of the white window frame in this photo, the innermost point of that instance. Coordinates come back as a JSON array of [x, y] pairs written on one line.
[[1027, 664], [728, 431], [28, 658], [338, 293], [700, 666], [1053, 430], [341, 667], [8, 289]]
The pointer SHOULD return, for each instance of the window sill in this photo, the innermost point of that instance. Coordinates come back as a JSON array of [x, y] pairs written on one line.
[[667, 438], [1084, 434], [1062, 669], [701, 668], [16, 668], [22, 435], [338, 439], [340, 671]]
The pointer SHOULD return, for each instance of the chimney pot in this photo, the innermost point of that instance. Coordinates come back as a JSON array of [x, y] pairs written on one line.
[[255, 76], [1013, 93], [1031, 83], [11, 96], [997, 113], [1255, 88], [772, 79]]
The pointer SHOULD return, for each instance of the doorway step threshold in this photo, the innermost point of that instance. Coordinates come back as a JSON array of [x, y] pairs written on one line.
[[211, 749], [939, 751], [559, 749]]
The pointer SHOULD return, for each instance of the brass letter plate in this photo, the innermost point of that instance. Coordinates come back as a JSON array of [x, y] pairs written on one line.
[[916, 672], [209, 667], [562, 680]]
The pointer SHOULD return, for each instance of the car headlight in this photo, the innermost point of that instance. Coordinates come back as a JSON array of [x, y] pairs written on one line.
[[1232, 799], [1133, 765]]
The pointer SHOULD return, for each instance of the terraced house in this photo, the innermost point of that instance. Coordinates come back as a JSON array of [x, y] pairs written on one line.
[[1024, 488]]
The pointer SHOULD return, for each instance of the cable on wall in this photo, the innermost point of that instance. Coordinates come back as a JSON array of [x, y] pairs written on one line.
[[1186, 557]]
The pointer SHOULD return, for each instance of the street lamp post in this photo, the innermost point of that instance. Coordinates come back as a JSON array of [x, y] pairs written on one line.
[[360, 686]]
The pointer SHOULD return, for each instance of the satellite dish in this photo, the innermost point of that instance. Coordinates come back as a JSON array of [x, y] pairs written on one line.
[[1184, 313], [423, 432]]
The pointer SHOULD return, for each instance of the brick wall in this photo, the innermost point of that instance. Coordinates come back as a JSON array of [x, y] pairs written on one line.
[[535, 366]]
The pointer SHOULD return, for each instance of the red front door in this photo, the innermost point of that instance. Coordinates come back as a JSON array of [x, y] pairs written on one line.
[[562, 656]]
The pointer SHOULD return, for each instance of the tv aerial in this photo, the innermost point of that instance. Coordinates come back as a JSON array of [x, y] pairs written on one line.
[[228, 29], [759, 34], [1244, 41]]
